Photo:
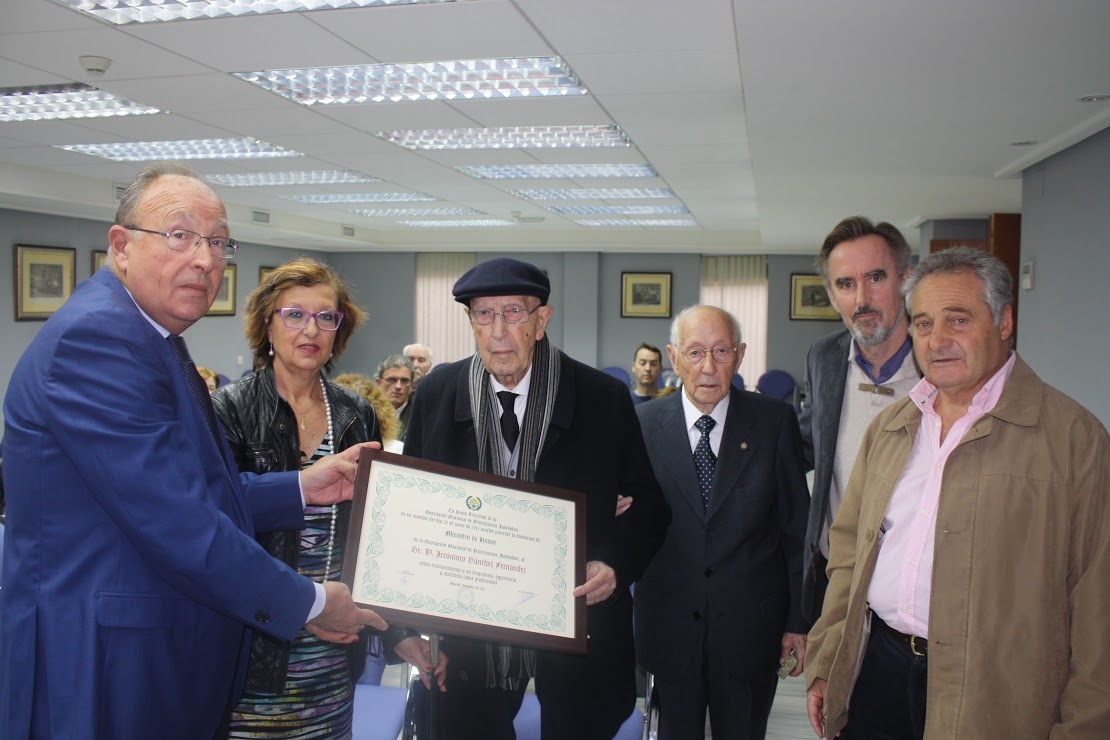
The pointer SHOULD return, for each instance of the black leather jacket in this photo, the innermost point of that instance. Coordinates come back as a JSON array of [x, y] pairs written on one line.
[[261, 431]]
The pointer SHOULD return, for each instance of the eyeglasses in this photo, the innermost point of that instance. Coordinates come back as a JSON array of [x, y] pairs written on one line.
[[697, 355], [183, 240], [297, 318], [511, 314]]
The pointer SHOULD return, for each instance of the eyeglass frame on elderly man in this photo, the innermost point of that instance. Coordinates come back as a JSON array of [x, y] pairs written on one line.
[[720, 354], [309, 315], [229, 247], [520, 312]]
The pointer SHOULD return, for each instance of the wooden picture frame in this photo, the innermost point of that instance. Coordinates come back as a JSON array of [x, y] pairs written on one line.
[[809, 300], [98, 259], [264, 274], [44, 280], [452, 550], [646, 295], [224, 305]]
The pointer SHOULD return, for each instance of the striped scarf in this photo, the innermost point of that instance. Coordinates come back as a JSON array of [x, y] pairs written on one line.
[[507, 666]]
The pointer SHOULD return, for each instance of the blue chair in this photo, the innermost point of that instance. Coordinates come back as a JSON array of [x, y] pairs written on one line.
[[777, 384], [619, 373], [527, 722], [379, 712], [738, 382], [222, 380]]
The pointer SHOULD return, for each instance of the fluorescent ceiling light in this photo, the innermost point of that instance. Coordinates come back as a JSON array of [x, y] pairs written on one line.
[[303, 177], [471, 79], [458, 223], [617, 210], [155, 11], [511, 137], [321, 198], [69, 100], [142, 151], [570, 171], [410, 212], [637, 222], [592, 193]]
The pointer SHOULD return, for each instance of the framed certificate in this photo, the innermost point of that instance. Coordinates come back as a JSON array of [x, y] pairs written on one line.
[[455, 551]]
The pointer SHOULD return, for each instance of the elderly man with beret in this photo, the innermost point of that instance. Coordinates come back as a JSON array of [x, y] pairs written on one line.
[[520, 408]]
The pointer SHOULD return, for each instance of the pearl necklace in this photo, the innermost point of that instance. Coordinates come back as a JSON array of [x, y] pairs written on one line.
[[334, 507]]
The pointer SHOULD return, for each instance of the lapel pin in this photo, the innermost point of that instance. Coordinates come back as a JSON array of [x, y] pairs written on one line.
[[743, 445]]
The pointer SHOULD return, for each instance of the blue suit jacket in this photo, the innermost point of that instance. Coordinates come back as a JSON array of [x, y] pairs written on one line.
[[130, 572], [734, 568]]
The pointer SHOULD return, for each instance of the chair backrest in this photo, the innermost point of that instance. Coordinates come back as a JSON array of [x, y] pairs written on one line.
[[619, 373], [738, 382], [777, 384]]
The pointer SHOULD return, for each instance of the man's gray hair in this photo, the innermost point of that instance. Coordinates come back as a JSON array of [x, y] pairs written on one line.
[[998, 286], [733, 323], [407, 347], [129, 203], [394, 361]]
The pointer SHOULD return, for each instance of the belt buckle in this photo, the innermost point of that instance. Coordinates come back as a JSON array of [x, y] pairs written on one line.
[[913, 647]]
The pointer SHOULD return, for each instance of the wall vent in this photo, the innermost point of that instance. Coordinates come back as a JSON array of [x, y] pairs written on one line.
[[260, 217], [119, 190], [348, 231]]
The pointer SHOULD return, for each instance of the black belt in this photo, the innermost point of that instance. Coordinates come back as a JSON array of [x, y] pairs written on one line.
[[918, 645]]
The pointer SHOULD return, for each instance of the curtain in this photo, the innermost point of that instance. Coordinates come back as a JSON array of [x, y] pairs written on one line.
[[439, 321], [739, 285]]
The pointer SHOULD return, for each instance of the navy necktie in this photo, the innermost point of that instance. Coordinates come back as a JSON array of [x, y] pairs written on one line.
[[197, 388], [704, 459], [510, 427]]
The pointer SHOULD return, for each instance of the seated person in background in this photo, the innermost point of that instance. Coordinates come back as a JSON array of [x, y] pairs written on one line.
[[396, 376], [647, 364], [210, 379], [388, 423], [284, 417], [421, 359]]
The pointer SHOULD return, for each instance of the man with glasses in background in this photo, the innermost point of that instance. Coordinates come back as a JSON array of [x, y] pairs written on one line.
[[396, 376], [522, 409], [718, 611], [131, 575]]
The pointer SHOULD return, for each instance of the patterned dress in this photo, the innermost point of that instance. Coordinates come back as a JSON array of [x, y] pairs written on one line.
[[318, 701]]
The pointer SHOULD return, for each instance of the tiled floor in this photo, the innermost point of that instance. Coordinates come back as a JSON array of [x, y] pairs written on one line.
[[788, 715]]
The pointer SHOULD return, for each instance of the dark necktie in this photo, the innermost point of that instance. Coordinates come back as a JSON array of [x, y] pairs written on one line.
[[704, 459], [510, 428], [197, 389]]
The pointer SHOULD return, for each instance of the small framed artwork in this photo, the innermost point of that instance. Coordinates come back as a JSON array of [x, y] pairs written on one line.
[[99, 259], [43, 280], [809, 301], [264, 274], [224, 305], [646, 295]]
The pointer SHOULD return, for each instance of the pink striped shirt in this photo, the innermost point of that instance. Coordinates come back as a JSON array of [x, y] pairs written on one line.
[[901, 586]]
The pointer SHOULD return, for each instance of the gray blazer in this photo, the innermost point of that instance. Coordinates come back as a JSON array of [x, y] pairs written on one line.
[[825, 374]]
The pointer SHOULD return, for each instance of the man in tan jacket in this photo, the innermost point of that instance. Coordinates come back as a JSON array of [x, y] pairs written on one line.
[[968, 569]]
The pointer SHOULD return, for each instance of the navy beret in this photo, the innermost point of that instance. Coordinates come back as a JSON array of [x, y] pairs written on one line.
[[502, 276]]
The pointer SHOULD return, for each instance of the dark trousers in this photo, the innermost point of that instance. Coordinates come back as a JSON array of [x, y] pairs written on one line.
[[738, 709], [888, 701]]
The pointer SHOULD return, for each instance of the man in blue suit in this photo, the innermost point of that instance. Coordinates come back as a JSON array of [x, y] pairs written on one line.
[[131, 577], [853, 374], [719, 607]]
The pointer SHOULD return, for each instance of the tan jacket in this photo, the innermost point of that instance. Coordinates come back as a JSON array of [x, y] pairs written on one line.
[[1019, 618]]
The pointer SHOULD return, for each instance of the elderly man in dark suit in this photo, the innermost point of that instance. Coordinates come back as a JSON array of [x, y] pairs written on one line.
[[719, 608], [520, 408], [853, 374], [132, 577]]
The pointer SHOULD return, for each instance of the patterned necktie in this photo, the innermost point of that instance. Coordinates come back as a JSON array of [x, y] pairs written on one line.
[[704, 459], [510, 427], [197, 389]]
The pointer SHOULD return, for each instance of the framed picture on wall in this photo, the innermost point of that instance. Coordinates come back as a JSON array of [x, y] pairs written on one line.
[[646, 295], [264, 274], [99, 258], [43, 280], [224, 305], [809, 301]]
